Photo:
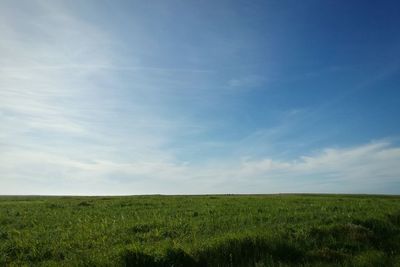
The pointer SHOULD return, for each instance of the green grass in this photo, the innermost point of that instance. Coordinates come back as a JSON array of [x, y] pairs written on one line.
[[254, 230]]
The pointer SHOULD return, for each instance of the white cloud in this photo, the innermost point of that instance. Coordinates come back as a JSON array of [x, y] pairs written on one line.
[[362, 169], [358, 169]]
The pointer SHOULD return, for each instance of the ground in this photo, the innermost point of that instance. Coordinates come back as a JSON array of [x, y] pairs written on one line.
[[213, 230]]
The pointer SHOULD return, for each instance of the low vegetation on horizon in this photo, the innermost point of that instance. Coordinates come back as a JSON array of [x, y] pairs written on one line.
[[214, 230]]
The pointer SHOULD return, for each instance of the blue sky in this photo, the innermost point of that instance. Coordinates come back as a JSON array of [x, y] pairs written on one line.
[[192, 97]]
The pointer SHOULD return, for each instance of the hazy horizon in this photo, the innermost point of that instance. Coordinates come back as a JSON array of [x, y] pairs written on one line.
[[187, 97]]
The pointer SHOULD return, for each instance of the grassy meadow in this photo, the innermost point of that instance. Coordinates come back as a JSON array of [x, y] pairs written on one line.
[[214, 230]]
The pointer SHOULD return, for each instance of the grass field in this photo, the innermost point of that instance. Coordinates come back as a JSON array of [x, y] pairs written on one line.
[[254, 230]]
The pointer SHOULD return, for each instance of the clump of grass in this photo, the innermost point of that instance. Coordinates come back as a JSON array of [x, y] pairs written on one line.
[[85, 204], [139, 258], [395, 218], [141, 228], [371, 258]]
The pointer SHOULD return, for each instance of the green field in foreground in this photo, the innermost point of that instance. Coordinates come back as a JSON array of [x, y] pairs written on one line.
[[217, 230]]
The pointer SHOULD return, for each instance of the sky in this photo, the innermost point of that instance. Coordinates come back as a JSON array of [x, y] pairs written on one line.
[[199, 97]]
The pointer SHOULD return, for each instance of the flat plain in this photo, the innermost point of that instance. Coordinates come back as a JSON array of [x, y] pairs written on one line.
[[208, 230]]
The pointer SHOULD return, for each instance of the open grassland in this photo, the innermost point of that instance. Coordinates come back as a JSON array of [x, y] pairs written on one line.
[[254, 230]]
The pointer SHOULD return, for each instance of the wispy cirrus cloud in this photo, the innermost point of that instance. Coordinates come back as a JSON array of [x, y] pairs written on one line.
[[36, 90], [69, 116], [89, 108]]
